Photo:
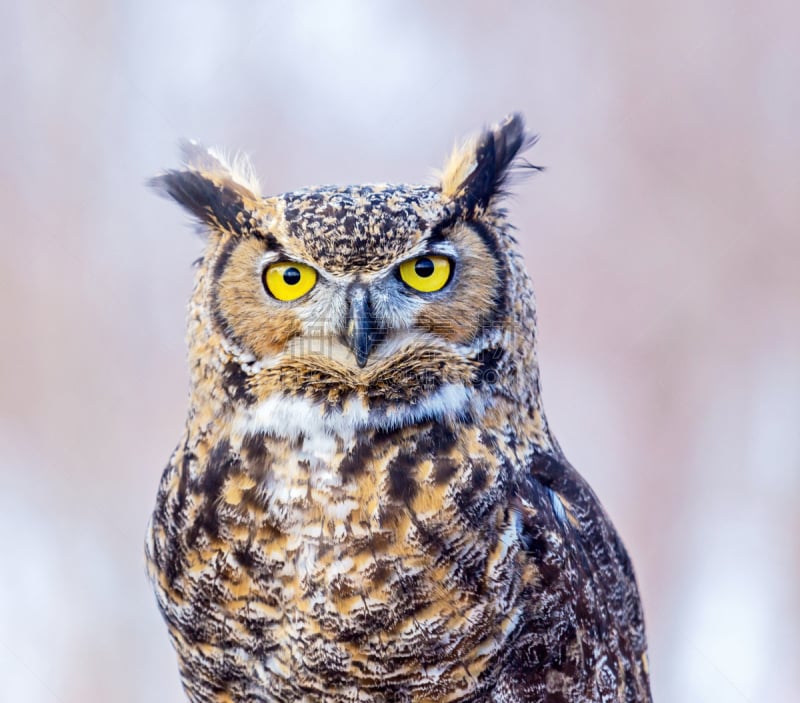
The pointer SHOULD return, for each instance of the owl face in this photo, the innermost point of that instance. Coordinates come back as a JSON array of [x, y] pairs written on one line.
[[393, 295]]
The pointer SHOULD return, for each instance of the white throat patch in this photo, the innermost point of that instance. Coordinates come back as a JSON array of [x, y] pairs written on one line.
[[293, 417]]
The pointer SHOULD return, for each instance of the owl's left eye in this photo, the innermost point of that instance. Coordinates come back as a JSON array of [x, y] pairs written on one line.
[[289, 280], [426, 274]]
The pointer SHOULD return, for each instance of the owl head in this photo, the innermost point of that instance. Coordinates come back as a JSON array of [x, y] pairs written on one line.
[[396, 303]]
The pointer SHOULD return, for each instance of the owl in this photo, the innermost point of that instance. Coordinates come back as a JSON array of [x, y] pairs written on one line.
[[367, 503]]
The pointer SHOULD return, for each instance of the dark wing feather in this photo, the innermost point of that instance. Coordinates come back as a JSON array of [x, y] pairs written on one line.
[[584, 636]]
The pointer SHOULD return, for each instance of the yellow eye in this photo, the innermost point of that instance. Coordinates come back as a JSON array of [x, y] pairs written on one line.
[[426, 273], [288, 280]]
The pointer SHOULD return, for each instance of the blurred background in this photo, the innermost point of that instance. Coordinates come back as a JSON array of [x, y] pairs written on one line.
[[663, 238]]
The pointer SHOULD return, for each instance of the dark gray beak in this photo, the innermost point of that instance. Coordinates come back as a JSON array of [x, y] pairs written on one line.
[[363, 330]]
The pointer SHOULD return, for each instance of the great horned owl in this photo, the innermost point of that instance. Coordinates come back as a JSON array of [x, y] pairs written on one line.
[[367, 503]]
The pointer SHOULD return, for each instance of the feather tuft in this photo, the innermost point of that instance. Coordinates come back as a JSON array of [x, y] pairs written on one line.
[[216, 163], [477, 173]]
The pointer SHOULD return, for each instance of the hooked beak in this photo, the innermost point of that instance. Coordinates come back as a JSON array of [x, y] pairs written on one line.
[[363, 330]]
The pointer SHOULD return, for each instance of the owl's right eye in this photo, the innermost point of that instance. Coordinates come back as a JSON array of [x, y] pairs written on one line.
[[289, 280]]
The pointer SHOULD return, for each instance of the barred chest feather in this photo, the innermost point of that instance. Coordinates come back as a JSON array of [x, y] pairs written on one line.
[[316, 556]]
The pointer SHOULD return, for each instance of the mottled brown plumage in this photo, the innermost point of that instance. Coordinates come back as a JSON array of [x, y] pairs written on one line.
[[367, 503]]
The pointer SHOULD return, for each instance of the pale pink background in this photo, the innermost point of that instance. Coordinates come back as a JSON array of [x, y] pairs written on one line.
[[664, 240]]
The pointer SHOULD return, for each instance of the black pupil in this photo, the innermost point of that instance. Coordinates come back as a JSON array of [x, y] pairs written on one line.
[[291, 276], [423, 267]]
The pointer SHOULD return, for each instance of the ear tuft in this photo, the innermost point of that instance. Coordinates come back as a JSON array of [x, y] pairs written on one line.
[[219, 191], [214, 162], [476, 173]]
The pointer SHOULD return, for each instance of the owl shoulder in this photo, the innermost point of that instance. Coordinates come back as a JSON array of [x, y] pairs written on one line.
[[565, 524]]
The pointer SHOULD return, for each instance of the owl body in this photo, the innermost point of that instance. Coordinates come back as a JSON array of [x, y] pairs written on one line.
[[367, 503]]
